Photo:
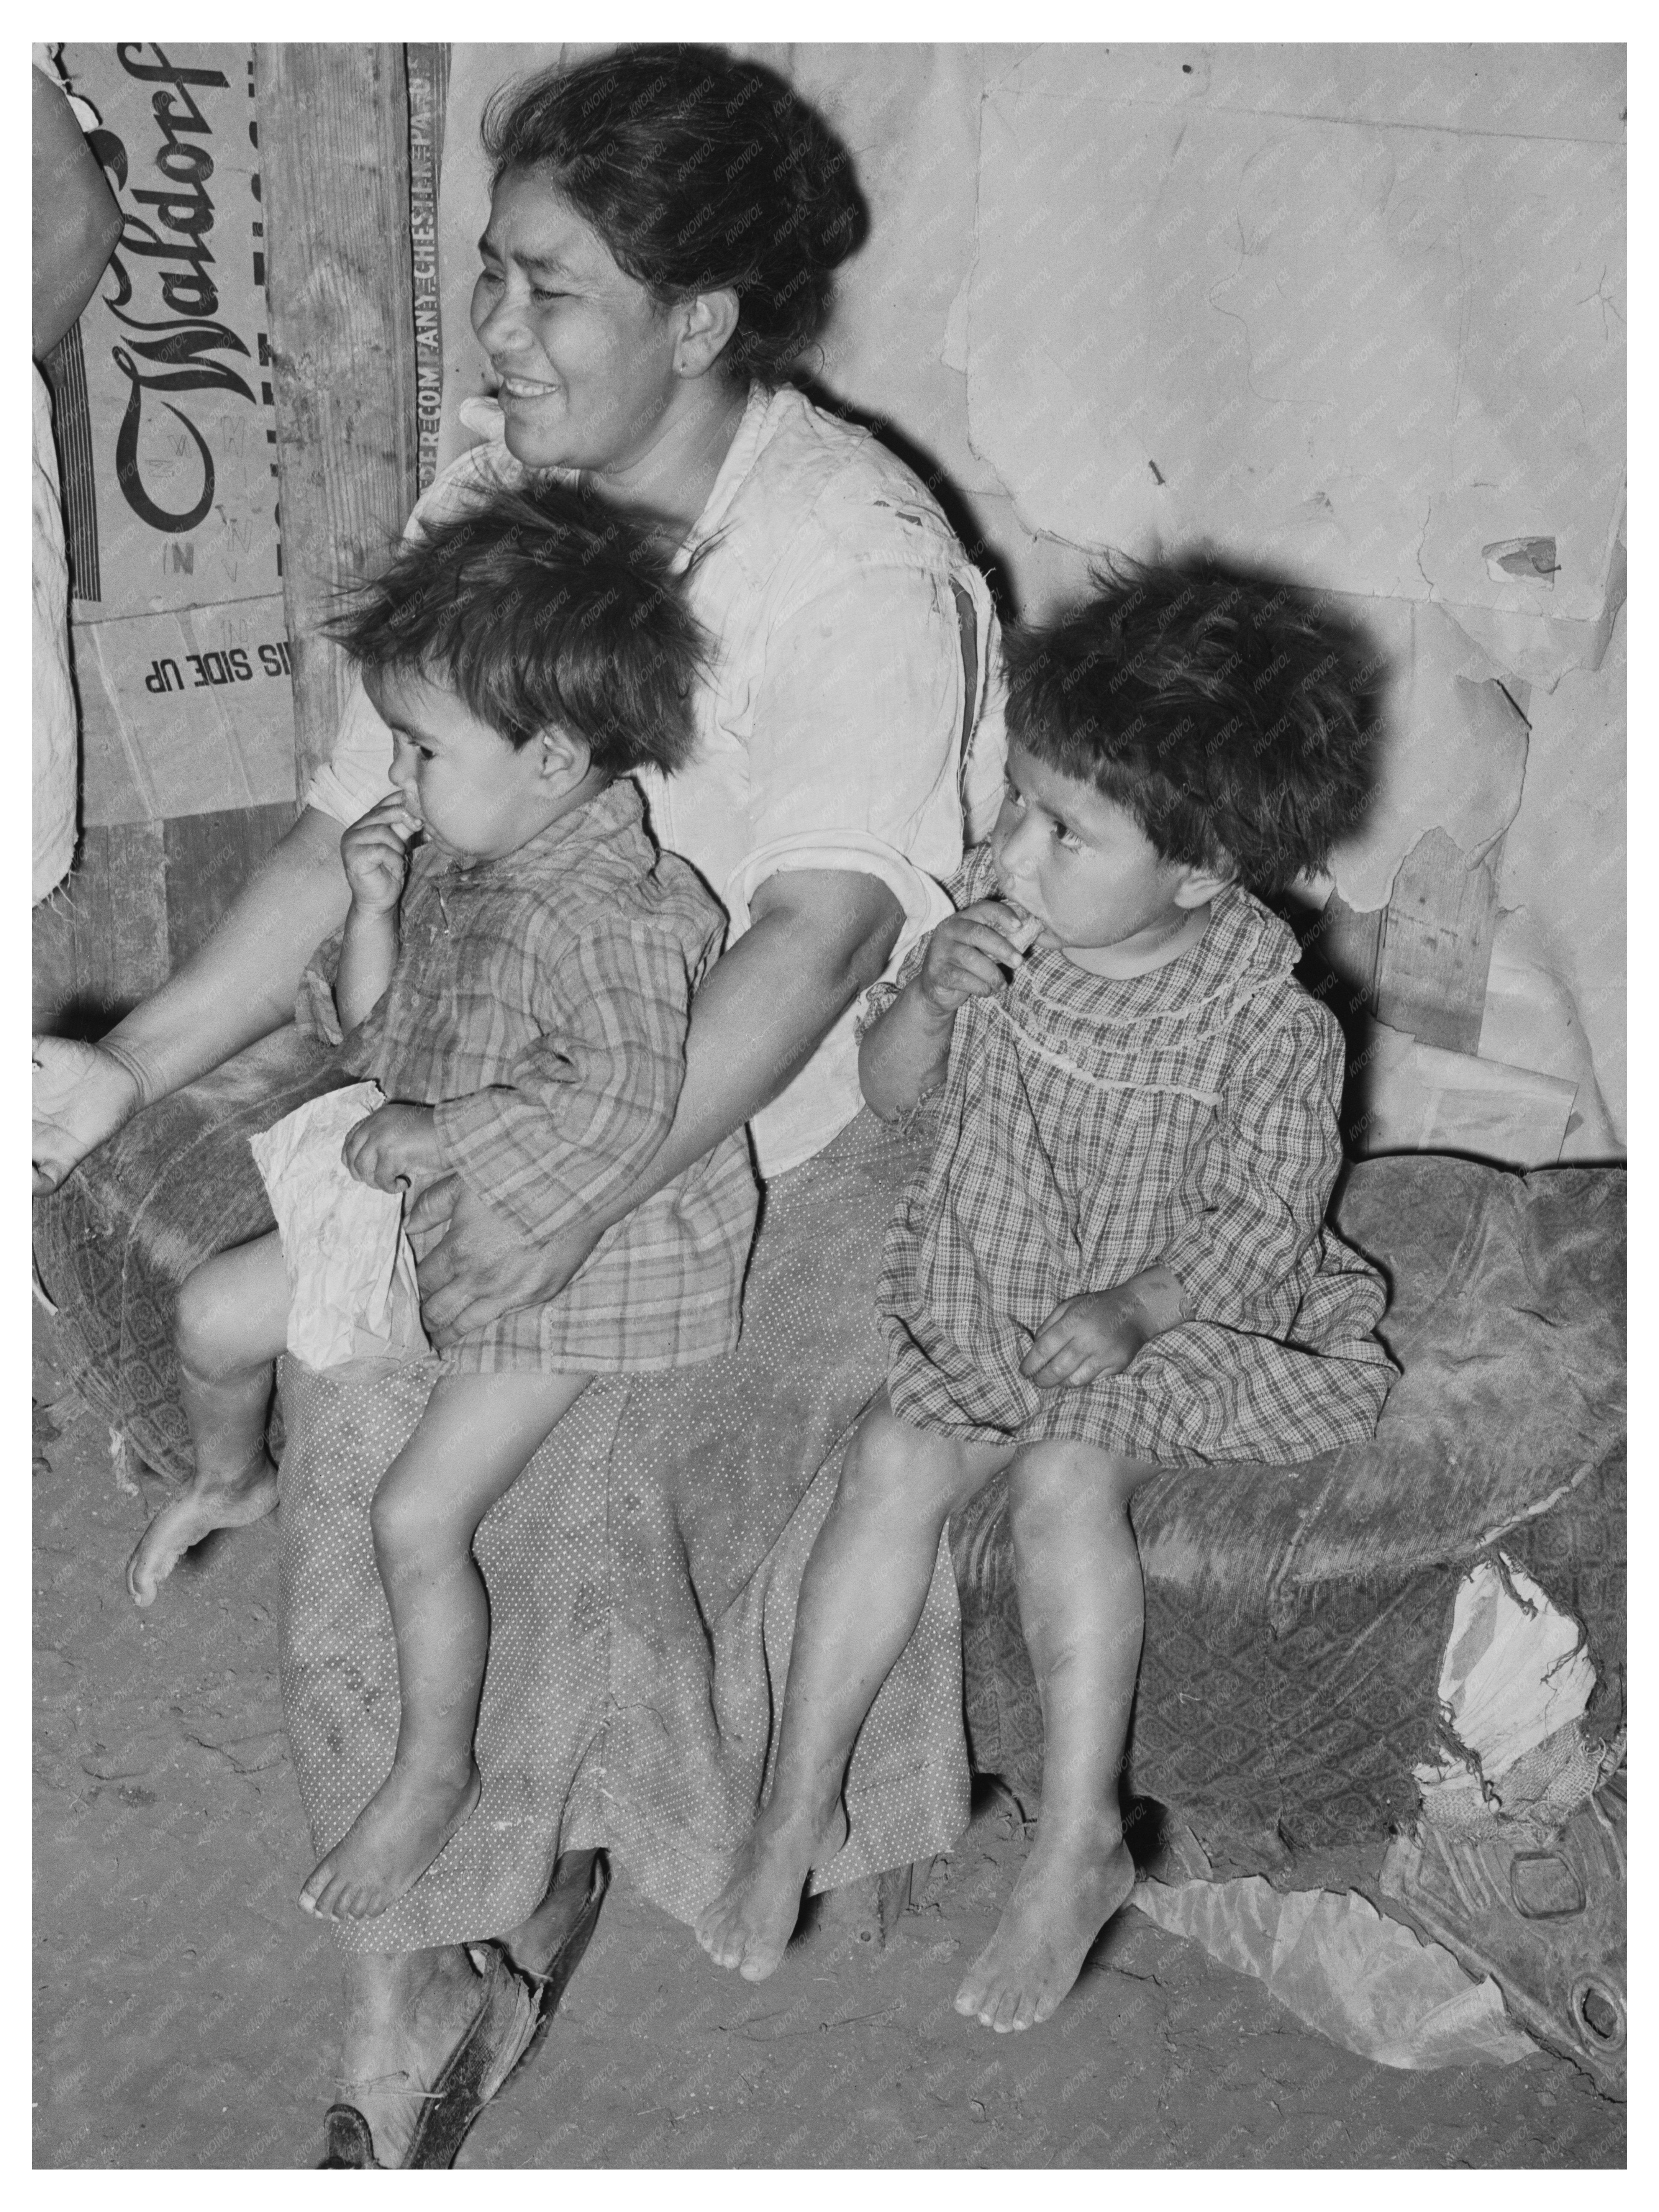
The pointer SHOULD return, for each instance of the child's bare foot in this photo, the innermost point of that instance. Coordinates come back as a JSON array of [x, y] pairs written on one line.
[[1067, 1890], [391, 1844], [749, 1924], [207, 1504]]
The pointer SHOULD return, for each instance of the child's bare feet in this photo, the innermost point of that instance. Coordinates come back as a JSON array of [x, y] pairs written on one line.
[[1067, 1890], [206, 1504], [391, 1844], [749, 1924]]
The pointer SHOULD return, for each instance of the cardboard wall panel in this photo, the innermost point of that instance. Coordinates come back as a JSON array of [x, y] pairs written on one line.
[[162, 413]]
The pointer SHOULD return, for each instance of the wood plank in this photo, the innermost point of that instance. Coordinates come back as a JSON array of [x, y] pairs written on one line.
[[208, 858], [334, 150], [427, 68], [1340, 949], [101, 941], [141, 896], [126, 882], [1437, 942]]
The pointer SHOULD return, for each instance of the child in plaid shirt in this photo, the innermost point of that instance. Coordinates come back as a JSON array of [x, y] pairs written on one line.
[[1116, 1260], [517, 964]]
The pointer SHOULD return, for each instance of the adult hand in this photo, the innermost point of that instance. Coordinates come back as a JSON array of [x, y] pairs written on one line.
[[474, 1264], [82, 1095]]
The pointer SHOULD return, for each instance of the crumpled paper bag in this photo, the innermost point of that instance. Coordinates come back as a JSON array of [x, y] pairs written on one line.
[[1343, 1968], [353, 1298]]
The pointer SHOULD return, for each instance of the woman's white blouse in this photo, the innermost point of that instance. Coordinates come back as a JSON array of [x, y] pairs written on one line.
[[831, 728]]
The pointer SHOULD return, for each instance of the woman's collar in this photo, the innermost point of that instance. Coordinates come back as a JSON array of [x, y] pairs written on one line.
[[740, 456], [485, 418]]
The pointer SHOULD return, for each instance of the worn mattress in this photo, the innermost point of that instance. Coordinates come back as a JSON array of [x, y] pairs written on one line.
[[1296, 1616]]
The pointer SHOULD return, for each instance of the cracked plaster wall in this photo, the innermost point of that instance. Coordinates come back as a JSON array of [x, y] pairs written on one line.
[[1357, 312]]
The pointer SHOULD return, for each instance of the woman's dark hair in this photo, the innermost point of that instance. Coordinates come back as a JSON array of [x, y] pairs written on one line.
[[1231, 715], [700, 172], [541, 607]]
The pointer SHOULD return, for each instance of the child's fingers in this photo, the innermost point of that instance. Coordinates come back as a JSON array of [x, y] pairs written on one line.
[[376, 844], [992, 929], [969, 974], [1089, 1368], [358, 1140], [1048, 1374], [1053, 1352], [968, 955], [375, 1165], [1018, 928], [394, 809], [1058, 1329], [1070, 1347]]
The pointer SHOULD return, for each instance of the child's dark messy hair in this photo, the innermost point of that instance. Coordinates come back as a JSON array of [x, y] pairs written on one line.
[[541, 608], [1231, 715]]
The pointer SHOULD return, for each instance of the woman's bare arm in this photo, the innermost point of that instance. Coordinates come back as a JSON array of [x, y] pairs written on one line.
[[236, 987], [818, 938]]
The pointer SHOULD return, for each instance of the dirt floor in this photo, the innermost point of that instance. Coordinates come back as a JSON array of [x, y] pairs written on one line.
[[184, 2006]]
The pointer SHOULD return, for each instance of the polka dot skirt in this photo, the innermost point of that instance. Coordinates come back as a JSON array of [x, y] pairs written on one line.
[[642, 1576]]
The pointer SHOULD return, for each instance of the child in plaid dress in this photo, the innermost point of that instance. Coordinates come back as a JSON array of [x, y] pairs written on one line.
[[523, 999], [1116, 1260]]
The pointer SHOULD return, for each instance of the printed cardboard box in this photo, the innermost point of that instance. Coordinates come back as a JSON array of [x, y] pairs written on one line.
[[166, 434]]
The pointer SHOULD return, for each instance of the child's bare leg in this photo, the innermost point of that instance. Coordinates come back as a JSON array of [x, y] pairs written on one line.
[[862, 1594], [231, 1323], [1082, 1607], [477, 1434]]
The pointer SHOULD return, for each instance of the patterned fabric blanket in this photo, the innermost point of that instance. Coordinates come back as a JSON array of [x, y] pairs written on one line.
[[1296, 1616], [115, 1240], [642, 1572]]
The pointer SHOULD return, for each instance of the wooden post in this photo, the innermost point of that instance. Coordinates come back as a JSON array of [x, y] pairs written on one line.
[[334, 155], [141, 897], [1437, 942]]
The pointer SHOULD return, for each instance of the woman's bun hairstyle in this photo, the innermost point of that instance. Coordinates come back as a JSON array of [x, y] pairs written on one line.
[[701, 173]]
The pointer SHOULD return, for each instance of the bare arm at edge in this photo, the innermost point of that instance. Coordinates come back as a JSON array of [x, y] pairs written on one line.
[[237, 986]]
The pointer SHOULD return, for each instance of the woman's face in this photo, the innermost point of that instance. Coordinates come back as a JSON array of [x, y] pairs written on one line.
[[585, 355]]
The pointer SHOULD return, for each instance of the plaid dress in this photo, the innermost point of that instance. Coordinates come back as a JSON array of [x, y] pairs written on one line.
[[1091, 1128], [540, 1002]]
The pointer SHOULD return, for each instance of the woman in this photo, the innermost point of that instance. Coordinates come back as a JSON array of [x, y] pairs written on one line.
[[662, 228]]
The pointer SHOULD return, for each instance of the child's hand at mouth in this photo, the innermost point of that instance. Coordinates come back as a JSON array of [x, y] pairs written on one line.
[[974, 954], [374, 853]]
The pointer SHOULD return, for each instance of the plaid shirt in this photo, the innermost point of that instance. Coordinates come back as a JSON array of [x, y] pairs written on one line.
[[1091, 1127], [540, 1002]]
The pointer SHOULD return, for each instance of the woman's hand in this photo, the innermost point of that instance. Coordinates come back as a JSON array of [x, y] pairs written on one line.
[[474, 1265], [82, 1095], [1100, 1332], [394, 1146], [374, 853], [972, 954]]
